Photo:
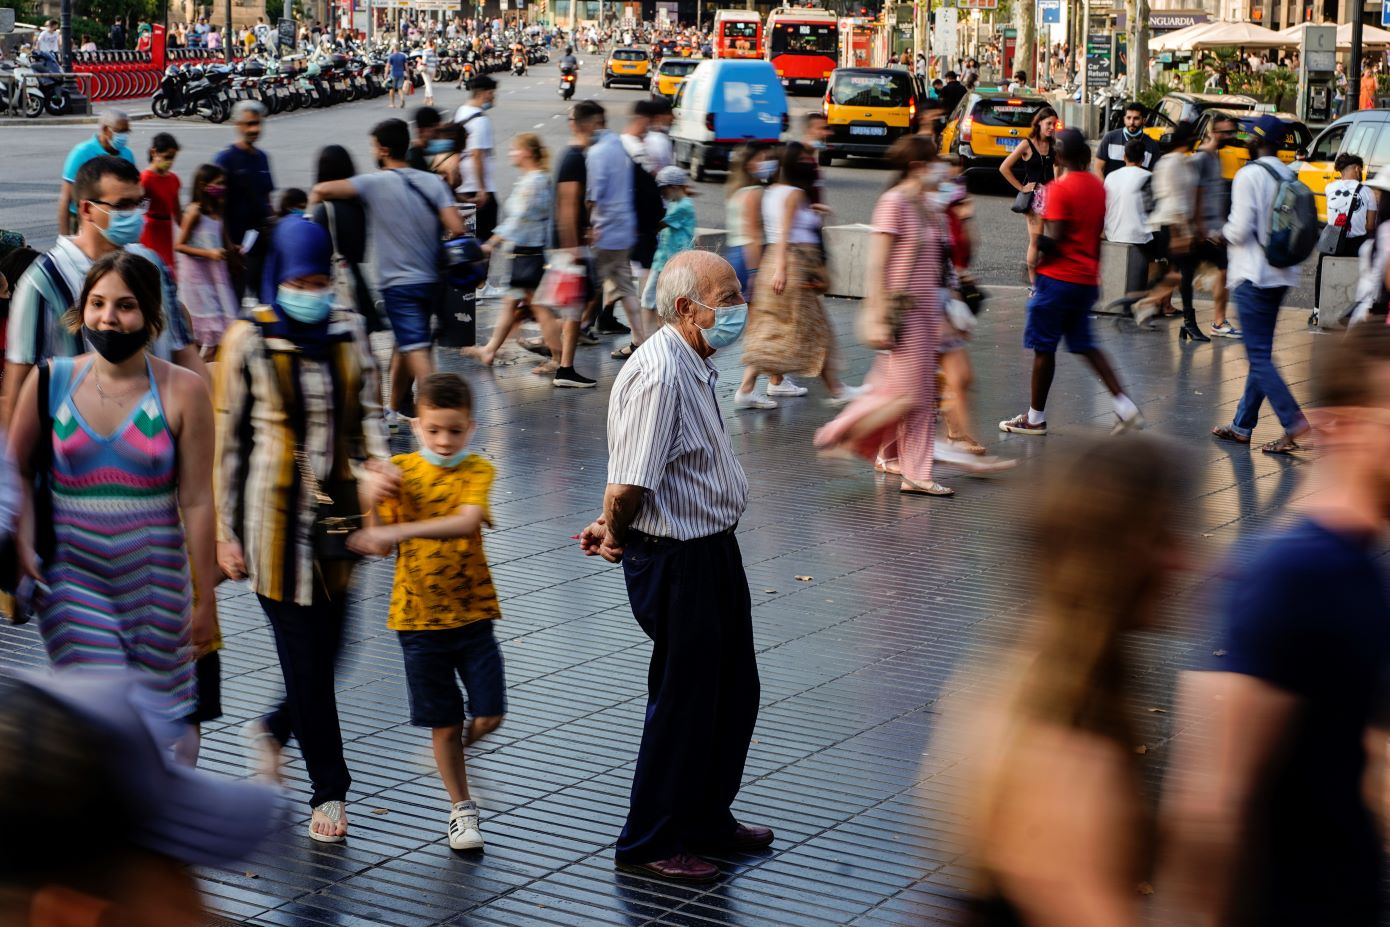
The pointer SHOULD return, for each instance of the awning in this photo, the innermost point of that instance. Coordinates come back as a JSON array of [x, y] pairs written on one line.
[[1370, 35]]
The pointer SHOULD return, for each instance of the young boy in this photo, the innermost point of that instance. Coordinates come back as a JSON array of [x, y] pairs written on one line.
[[677, 226], [443, 602]]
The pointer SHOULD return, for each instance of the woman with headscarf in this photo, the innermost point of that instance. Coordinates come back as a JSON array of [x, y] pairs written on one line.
[[300, 440]]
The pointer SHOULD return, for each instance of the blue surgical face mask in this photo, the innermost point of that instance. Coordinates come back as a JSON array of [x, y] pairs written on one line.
[[123, 227], [120, 140], [764, 170], [439, 460], [439, 146], [728, 324], [306, 306], [486, 106]]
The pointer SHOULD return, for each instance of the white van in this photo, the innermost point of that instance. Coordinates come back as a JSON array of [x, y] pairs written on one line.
[[724, 104]]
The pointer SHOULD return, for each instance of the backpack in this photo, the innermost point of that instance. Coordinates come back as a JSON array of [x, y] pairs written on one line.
[[1293, 223]]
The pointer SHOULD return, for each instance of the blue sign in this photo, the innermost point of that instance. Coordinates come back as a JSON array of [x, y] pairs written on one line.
[[1052, 11], [1385, 14]]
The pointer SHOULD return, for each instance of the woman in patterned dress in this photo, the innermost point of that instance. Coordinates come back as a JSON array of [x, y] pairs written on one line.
[[894, 422], [133, 563]]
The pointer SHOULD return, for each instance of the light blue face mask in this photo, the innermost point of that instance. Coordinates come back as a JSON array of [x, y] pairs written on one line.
[[439, 460], [439, 146], [120, 140], [124, 226], [728, 324], [306, 306]]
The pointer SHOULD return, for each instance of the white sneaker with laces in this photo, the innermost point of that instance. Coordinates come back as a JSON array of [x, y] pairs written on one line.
[[847, 395], [753, 401], [786, 388], [464, 833]]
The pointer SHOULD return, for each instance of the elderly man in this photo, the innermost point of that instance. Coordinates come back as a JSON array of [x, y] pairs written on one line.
[[675, 494], [112, 138]]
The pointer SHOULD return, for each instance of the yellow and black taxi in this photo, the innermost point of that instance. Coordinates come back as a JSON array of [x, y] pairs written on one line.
[[1178, 107], [986, 126], [671, 73], [868, 109], [1234, 156], [1364, 133], [631, 66]]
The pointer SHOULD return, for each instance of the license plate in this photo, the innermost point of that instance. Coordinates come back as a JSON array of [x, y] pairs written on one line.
[[867, 130], [1009, 144]]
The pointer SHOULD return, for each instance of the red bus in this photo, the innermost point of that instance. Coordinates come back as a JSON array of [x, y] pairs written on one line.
[[738, 34], [803, 45]]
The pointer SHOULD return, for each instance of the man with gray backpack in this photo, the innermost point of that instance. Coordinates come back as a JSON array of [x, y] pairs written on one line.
[[1272, 229]]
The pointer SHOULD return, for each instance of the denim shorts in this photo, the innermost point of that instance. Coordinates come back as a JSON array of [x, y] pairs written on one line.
[[410, 309], [1058, 310], [432, 661]]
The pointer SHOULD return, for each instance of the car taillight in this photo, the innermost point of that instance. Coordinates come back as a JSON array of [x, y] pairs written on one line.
[[911, 110], [966, 124], [709, 121]]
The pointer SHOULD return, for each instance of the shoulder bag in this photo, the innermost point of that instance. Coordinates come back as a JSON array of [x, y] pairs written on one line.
[[1332, 240], [1023, 200]]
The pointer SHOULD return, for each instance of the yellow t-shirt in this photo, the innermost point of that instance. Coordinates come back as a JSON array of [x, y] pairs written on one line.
[[440, 583]]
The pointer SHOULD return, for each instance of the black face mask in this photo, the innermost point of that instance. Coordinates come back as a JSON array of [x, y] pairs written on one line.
[[1229, 141], [116, 346]]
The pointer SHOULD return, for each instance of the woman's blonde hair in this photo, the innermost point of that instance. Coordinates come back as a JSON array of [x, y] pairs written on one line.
[[531, 143]]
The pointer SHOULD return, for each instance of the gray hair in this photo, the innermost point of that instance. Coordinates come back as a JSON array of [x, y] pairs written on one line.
[[680, 279], [110, 118], [243, 107]]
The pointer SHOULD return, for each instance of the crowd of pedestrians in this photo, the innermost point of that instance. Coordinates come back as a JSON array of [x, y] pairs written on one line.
[[165, 330]]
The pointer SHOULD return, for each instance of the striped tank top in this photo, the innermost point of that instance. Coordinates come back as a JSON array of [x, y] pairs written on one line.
[[119, 587]]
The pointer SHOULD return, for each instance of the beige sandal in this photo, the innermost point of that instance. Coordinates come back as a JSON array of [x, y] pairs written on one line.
[[930, 488], [333, 811]]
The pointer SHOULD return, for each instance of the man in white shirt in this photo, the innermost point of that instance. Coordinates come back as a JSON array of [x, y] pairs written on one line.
[[1259, 289], [477, 185], [1128, 199], [658, 140], [49, 39]]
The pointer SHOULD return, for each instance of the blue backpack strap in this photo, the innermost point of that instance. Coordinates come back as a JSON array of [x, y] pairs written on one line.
[[66, 298]]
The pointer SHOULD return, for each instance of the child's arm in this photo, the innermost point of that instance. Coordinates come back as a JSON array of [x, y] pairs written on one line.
[[378, 539], [190, 219]]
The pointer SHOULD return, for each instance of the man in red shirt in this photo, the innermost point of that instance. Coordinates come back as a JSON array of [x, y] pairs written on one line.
[[1067, 286]]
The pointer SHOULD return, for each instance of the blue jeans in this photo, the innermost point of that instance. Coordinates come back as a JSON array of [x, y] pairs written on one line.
[[1258, 310], [410, 308]]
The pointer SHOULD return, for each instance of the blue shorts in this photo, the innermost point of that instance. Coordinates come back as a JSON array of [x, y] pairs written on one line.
[[1060, 310], [432, 661], [410, 309]]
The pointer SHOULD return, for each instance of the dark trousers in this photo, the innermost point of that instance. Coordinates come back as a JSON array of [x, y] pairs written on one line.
[[308, 640], [691, 598]]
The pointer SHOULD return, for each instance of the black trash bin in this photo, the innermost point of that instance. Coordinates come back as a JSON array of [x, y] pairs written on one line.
[[457, 316]]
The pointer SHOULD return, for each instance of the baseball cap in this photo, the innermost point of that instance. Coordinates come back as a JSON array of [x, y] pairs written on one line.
[[111, 721], [1269, 127], [672, 176]]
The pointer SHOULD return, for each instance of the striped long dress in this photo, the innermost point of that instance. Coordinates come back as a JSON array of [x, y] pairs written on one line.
[[120, 592]]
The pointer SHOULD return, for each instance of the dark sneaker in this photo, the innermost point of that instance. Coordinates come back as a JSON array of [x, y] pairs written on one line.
[[569, 378], [536, 346], [608, 324], [586, 336], [1019, 425]]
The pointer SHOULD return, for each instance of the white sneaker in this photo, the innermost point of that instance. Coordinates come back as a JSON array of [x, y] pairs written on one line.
[[947, 453], [753, 401], [786, 388], [464, 833], [847, 395]]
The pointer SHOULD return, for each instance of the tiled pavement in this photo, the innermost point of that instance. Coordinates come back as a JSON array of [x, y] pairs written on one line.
[[873, 614]]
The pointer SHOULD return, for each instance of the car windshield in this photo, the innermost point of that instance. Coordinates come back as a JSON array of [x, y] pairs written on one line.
[[740, 30], [630, 54], [890, 89], [804, 38], [1013, 114], [679, 67], [1296, 134]]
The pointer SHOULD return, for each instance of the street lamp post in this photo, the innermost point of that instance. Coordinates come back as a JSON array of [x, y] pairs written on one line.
[[1358, 9]]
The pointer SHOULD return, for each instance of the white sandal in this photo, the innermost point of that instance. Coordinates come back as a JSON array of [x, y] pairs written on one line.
[[333, 810]]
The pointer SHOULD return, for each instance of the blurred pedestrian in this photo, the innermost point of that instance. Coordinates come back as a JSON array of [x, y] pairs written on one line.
[[206, 283], [126, 556], [1171, 221], [112, 138], [1213, 209], [162, 185], [1067, 288], [82, 747], [1351, 214], [249, 185], [298, 418], [1036, 157], [1060, 832], [479, 186], [1128, 201], [1275, 796], [346, 223], [790, 332], [1259, 289], [675, 495]]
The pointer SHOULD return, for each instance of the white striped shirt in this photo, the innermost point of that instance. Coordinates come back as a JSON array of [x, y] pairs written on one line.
[[665, 434]]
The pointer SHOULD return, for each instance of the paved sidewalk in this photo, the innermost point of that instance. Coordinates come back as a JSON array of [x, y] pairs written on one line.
[[869, 608]]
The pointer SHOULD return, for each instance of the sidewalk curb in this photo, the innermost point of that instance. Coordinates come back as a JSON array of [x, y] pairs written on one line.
[[46, 120]]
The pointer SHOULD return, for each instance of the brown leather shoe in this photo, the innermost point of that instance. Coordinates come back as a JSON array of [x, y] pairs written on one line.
[[682, 867], [744, 837]]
